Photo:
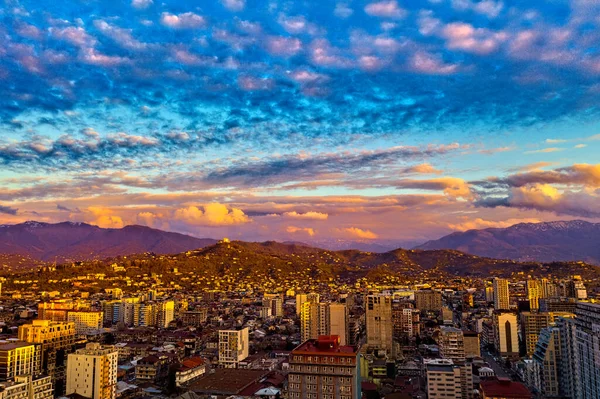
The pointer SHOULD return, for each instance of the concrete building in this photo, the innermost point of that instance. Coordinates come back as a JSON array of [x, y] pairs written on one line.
[[472, 344], [302, 298], [92, 372], [165, 313], [338, 322], [531, 325], [318, 319], [323, 369], [27, 387], [19, 358], [86, 322], [546, 362], [430, 300], [379, 323], [451, 343], [448, 380], [536, 290], [56, 340], [587, 351], [194, 318], [406, 321], [233, 347], [506, 335], [501, 294]]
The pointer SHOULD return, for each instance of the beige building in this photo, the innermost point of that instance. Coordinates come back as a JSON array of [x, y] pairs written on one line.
[[324, 319], [536, 290], [324, 369], [233, 347], [451, 343], [501, 294], [380, 324], [27, 387], [86, 322], [446, 380], [472, 344], [531, 325], [92, 372], [19, 358], [506, 335], [428, 300], [302, 298]]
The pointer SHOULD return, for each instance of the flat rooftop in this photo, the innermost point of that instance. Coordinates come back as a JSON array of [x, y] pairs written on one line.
[[227, 381]]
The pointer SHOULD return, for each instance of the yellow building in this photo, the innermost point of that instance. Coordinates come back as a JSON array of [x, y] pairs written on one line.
[[18, 358], [86, 322]]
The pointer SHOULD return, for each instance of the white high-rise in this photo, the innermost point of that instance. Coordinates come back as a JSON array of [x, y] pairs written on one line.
[[233, 347]]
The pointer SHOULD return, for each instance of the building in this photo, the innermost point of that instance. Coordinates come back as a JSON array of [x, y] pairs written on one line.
[[58, 309], [506, 335], [546, 362], [302, 298], [86, 322], [472, 344], [448, 380], [429, 300], [26, 386], [451, 343], [189, 371], [558, 305], [194, 318], [503, 389], [19, 358], [586, 351], [153, 368], [536, 290], [501, 294], [233, 347], [489, 294], [575, 288], [323, 369], [275, 304], [531, 325], [406, 321], [337, 322], [568, 367], [379, 323], [92, 372], [318, 319]]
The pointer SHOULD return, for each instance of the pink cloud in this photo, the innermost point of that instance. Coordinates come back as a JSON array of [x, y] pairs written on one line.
[[463, 36], [385, 9], [141, 4], [187, 20], [234, 5], [283, 46], [423, 62], [93, 57], [322, 53], [250, 83], [74, 35]]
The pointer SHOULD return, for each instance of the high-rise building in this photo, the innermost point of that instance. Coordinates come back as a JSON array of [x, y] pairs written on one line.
[[506, 336], [379, 322], [92, 372], [536, 290], [546, 362], [58, 309], [501, 294], [406, 321], [531, 325], [575, 288], [428, 300], [233, 347], [19, 358], [323, 369], [568, 367], [302, 298], [489, 294], [56, 340], [275, 304], [337, 323], [27, 386], [587, 350], [472, 344], [165, 313], [451, 343], [448, 380], [86, 322]]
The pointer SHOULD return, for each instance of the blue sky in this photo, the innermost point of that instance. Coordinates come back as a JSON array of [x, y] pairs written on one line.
[[300, 119]]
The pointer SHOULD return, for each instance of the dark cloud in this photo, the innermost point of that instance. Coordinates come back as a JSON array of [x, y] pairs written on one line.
[[8, 210]]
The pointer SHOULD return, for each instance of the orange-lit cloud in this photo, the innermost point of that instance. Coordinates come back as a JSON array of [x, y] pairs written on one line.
[[306, 230], [213, 214]]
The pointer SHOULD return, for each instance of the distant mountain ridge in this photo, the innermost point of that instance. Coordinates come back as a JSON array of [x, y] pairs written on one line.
[[575, 240], [69, 241]]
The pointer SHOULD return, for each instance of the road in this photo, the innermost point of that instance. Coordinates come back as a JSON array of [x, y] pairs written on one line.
[[496, 366]]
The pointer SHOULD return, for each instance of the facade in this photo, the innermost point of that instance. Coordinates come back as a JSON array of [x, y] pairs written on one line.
[[379, 323], [506, 335], [190, 370], [428, 300], [56, 340], [451, 343], [338, 322], [233, 347], [472, 344], [318, 319], [92, 372], [546, 361], [323, 369], [57, 310], [86, 322], [448, 380], [17, 359], [531, 325], [406, 321], [165, 313], [302, 298], [25, 387], [536, 290], [501, 294], [195, 318], [587, 350]]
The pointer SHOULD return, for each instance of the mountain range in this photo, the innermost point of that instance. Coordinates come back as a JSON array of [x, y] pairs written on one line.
[[69, 241], [575, 240], [28, 243]]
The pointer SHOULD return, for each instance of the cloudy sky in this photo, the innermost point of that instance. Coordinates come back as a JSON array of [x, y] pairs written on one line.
[[386, 121]]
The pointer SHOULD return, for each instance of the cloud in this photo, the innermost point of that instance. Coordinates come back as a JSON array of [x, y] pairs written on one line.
[[385, 9], [489, 8], [8, 210], [423, 62], [234, 5], [465, 37], [307, 215], [342, 10], [545, 150], [306, 230], [187, 20], [283, 46], [479, 223], [141, 4], [355, 232], [102, 217], [213, 214]]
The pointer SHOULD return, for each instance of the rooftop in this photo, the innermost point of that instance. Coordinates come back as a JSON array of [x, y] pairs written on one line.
[[326, 344], [504, 388], [227, 381]]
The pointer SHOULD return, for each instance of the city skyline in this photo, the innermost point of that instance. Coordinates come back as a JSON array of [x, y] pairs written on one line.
[[360, 121]]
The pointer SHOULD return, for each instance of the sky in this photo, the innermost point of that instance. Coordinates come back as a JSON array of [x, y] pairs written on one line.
[[386, 122]]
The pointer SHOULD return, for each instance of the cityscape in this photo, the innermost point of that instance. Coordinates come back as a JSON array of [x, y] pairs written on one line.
[[278, 199]]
